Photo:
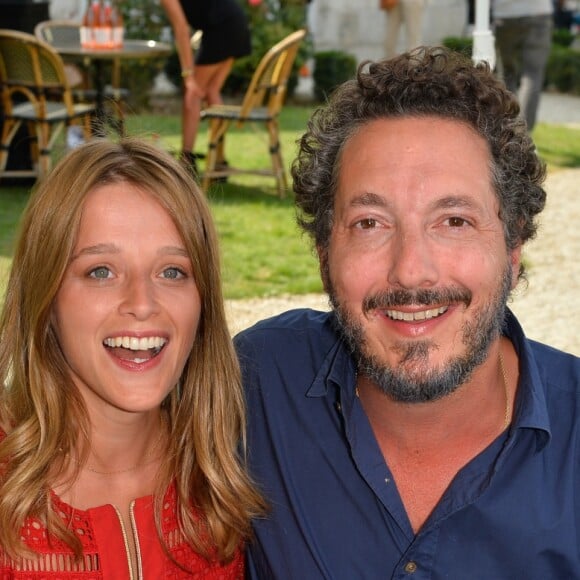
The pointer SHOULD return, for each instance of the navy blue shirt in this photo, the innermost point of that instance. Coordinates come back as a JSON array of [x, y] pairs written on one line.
[[513, 512]]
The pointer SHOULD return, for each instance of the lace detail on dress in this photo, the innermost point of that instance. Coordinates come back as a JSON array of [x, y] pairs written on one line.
[[56, 560], [51, 565], [197, 567], [54, 556]]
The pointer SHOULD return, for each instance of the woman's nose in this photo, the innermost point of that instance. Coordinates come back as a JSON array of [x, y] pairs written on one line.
[[139, 297]]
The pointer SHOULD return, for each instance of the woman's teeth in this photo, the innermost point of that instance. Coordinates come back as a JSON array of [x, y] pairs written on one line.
[[134, 343]]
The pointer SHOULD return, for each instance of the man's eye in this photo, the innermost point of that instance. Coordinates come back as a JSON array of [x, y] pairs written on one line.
[[457, 222], [101, 273], [366, 223], [173, 273]]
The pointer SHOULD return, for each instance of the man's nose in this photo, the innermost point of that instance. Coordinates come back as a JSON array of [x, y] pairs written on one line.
[[413, 260]]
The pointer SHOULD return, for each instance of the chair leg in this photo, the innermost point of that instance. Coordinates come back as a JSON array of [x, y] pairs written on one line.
[[34, 145], [87, 126], [3, 157], [44, 148], [47, 134], [217, 129], [9, 130], [211, 157], [221, 148], [276, 157]]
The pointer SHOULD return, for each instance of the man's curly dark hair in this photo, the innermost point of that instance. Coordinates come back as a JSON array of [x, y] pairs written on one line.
[[435, 82]]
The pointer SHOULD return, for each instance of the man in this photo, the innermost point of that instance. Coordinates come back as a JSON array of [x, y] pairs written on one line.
[[523, 38], [408, 14], [414, 431]]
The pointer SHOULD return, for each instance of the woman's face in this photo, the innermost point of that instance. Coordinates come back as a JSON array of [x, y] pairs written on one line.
[[128, 308]]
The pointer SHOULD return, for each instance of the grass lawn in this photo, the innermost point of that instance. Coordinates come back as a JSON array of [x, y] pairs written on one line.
[[264, 253]]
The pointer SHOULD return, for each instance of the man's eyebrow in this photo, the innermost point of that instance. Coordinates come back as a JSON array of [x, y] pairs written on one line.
[[369, 198], [448, 201], [451, 201]]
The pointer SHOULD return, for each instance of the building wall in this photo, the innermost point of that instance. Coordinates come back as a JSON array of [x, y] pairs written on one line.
[[358, 26]]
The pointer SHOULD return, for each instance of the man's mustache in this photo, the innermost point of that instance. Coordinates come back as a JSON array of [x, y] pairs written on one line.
[[421, 297]]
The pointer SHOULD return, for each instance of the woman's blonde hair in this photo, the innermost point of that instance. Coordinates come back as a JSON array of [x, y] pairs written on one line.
[[43, 412]]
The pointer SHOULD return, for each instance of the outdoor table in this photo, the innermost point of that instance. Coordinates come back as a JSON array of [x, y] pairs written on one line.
[[98, 58]]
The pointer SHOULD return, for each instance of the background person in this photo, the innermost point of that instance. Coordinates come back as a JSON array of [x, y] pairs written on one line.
[[226, 36], [67, 9], [523, 38], [407, 14], [121, 412], [414, 430], [72, 10], [564, 14]]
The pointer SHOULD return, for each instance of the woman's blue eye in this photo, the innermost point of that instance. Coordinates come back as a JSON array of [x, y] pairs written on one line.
[[101, 273], [173, 273]]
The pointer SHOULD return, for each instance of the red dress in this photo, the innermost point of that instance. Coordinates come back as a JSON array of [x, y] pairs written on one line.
[[105, 552]]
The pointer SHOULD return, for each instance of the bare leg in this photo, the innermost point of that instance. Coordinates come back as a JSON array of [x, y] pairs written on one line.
[[216, 81], [394, 17], [413, 17], [210, 79]]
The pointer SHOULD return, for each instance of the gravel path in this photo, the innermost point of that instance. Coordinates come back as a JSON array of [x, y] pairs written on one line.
[[548, 308]]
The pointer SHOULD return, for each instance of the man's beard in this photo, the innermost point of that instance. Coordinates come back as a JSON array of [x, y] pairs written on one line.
[[424, 384]]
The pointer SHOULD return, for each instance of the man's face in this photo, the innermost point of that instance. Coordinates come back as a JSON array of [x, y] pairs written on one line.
[[417, 266]]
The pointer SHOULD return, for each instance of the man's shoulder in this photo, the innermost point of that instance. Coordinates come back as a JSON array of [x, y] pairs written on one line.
[[284, 354], [556, 366], [299, 320], [294, 334]]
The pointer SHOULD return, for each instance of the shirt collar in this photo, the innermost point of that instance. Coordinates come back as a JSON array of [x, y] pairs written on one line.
[[531, 411], [337, 368]]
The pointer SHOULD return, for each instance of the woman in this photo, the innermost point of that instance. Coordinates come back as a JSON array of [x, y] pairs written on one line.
[[225, 37], [121, 414]]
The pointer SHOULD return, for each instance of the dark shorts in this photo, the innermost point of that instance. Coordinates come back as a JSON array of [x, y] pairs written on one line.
[[231, 39]]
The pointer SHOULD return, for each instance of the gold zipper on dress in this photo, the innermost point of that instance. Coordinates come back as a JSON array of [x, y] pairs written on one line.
[[136, 541], [126, 542]]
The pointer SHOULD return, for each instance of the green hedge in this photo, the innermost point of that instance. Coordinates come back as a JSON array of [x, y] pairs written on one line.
[[462, 44], [563, 70], [331, 68]]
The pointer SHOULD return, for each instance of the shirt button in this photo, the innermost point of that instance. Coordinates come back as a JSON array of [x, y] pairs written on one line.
[[410, 567]]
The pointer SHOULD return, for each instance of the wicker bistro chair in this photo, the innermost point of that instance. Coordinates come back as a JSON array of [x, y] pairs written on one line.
[[34, 92], [261, 105], [68, 33]]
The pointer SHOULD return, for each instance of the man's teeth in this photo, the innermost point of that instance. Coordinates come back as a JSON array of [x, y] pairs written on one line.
[[134, 343], [419, 315]]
